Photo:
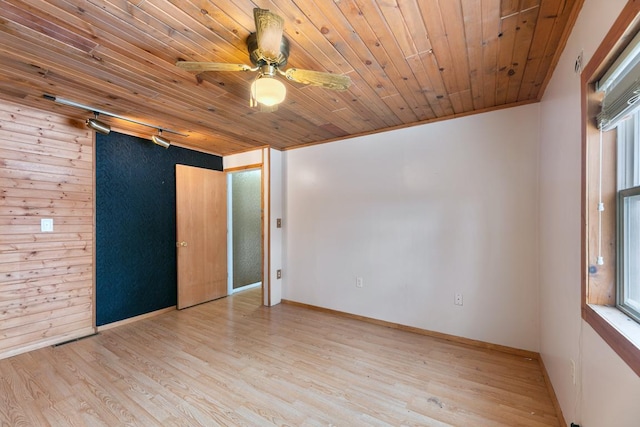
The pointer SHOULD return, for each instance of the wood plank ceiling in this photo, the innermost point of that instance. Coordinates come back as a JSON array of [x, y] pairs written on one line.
[[410, 61]]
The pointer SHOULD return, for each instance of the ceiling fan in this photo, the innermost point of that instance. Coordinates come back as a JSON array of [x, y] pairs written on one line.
[[268, 52]]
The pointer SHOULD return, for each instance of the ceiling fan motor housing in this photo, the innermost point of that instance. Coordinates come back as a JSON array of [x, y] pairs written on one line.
[[258, 60]]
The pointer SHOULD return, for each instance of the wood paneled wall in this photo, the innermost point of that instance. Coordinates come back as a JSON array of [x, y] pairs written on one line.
[[46, 278]]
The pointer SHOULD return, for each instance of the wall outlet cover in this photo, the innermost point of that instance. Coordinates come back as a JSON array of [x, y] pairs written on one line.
[[46, 225], [458, 298]]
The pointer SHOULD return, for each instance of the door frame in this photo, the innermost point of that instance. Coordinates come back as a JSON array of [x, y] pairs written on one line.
[[273, 164]]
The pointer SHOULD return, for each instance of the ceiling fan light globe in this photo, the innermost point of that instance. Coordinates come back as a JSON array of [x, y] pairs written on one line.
[[268, 91]]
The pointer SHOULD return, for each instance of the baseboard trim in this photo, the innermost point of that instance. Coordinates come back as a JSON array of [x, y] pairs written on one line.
[[552, 393], [134, 319], [440, 335], [48, 342]]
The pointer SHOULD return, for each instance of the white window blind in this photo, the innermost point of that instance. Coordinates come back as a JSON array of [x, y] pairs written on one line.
[[621, 87]]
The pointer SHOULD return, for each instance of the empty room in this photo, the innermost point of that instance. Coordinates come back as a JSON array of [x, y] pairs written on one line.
[[341, 213]]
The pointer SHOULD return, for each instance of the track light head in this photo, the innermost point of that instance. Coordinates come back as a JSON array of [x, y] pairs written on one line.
[[98, 126], [160, 140]]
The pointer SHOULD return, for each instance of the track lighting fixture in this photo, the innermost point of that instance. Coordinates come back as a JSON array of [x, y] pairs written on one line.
[[98, 126], [160, 140], [104, 128]]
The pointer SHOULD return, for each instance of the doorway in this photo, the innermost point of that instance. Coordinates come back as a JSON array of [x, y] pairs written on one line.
[[244, 216]]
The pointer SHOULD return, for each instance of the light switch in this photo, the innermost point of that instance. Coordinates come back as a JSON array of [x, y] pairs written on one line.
[[46, 225]]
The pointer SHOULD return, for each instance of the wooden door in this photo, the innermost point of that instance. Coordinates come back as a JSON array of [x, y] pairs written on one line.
[[201, 230]]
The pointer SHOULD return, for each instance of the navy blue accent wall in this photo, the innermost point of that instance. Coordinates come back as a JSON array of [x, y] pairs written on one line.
[[136, 224]]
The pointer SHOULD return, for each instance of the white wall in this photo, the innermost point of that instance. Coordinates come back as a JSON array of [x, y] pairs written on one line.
[[247, 158], [419, 214], [606, 392]]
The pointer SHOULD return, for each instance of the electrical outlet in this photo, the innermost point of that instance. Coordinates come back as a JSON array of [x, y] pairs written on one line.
[[278, 274], [359, 282], [458, 298], [46, 225]]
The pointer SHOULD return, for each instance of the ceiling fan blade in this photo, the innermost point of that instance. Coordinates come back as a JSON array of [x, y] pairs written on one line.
[[317, 78], [269, 28], [212, 66]]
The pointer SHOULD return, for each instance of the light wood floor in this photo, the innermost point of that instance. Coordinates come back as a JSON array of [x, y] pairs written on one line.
[[232, 362]]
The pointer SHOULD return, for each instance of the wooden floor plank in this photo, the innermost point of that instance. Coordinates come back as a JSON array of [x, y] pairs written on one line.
[[233, 362]]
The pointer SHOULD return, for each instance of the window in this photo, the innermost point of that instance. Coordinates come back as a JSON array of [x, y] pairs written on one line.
[[611, 187], [628, 219]]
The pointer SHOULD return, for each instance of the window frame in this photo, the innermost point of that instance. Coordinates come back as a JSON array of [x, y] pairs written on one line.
[[598, 283], [621, 286]]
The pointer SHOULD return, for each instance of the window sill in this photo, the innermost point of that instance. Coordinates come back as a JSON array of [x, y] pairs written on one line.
[[620, 331], [625, 325]]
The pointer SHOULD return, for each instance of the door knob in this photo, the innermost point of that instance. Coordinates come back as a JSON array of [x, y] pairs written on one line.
[[181, 244]]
